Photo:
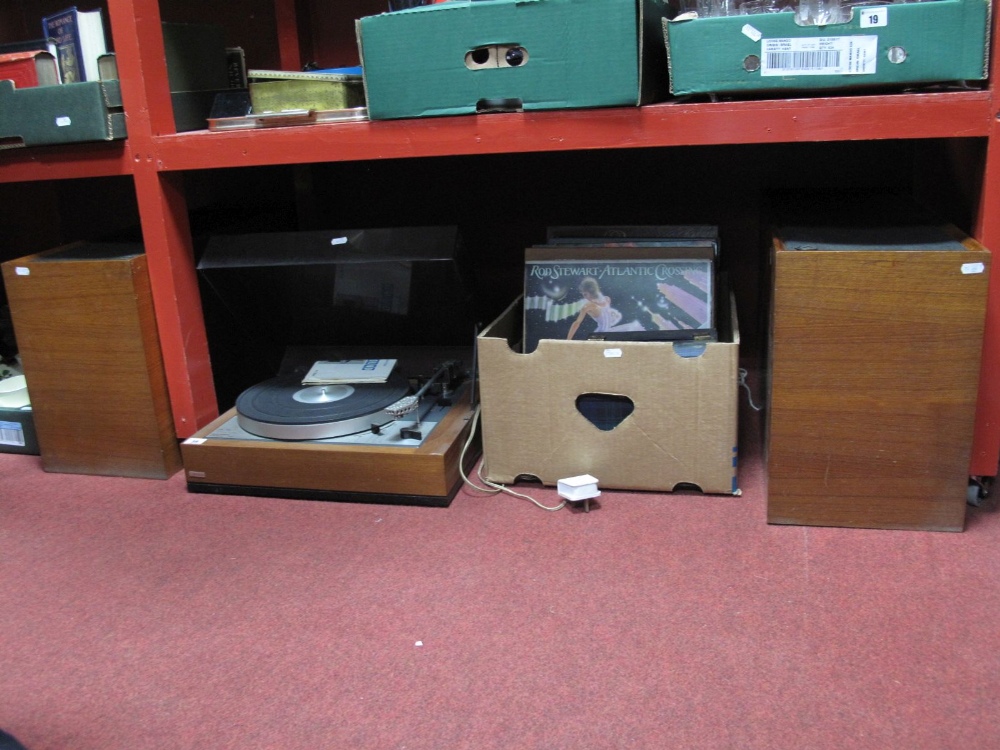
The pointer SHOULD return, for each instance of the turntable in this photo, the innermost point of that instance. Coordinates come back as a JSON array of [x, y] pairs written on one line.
[[397, 442]]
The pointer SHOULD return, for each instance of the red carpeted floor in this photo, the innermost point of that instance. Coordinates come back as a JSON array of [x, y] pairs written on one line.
[[137, 616]]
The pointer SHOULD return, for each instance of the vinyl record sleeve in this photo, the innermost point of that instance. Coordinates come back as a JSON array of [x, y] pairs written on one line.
[[618, 293]]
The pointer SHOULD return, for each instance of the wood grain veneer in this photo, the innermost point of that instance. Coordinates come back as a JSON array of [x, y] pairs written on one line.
[[86, 332], [427, 474], [874, 368]]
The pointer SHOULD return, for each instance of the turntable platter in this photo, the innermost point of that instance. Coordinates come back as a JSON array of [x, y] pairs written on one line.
[[284, 409]]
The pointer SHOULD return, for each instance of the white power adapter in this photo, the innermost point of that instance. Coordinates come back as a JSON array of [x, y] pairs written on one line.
[[575, 489]]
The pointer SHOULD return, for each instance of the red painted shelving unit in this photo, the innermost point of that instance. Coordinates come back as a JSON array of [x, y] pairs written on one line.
[[156, 157]]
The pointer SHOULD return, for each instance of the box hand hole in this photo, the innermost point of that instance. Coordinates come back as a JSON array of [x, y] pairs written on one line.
[[481, 57], [499, 105], [511, 56], [496, 56], [604, 410]]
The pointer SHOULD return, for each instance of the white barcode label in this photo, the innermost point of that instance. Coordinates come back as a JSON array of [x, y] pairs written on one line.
[[11, 434], [819, 56]]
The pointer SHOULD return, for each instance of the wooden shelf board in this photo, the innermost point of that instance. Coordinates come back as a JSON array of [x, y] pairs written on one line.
[[900, 116], [65, 162]]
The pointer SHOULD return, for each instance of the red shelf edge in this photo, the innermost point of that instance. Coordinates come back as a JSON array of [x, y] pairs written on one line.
[[65, 162], [900, 116]]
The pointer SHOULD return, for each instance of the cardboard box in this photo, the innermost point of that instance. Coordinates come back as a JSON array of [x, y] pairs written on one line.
[[682, 430], [941, 41], [464, 57], [68, 113]]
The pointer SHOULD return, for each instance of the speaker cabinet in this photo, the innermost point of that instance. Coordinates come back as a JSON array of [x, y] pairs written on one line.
[[875, 345], [85, 328]]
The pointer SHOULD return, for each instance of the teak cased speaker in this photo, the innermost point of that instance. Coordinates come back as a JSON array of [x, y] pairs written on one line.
[[875, 348], [86, 332]]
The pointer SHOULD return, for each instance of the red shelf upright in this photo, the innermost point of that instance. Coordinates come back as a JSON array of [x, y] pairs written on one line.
[[163, 214]]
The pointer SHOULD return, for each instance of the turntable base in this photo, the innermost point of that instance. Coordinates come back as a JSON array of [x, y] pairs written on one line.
[[426, 474]]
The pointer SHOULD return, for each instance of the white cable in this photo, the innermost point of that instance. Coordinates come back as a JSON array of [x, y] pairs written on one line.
[[743, 382], [492, 488], [465, 448]]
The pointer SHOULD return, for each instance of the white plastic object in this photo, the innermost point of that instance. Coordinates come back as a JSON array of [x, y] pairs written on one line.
[[581, 487], [14, 392]]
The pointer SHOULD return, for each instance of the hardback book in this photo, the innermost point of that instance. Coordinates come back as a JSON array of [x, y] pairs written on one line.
[[80, 40], [43, 44], [635, 292], [107, 67], [236, 67], [29, 69]]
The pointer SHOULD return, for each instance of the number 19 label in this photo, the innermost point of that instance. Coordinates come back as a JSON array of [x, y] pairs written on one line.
[[871, 17]]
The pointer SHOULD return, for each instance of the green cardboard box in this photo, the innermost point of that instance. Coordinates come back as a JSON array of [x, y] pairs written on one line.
[[468, 56], [66, 113], [926, 42]]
